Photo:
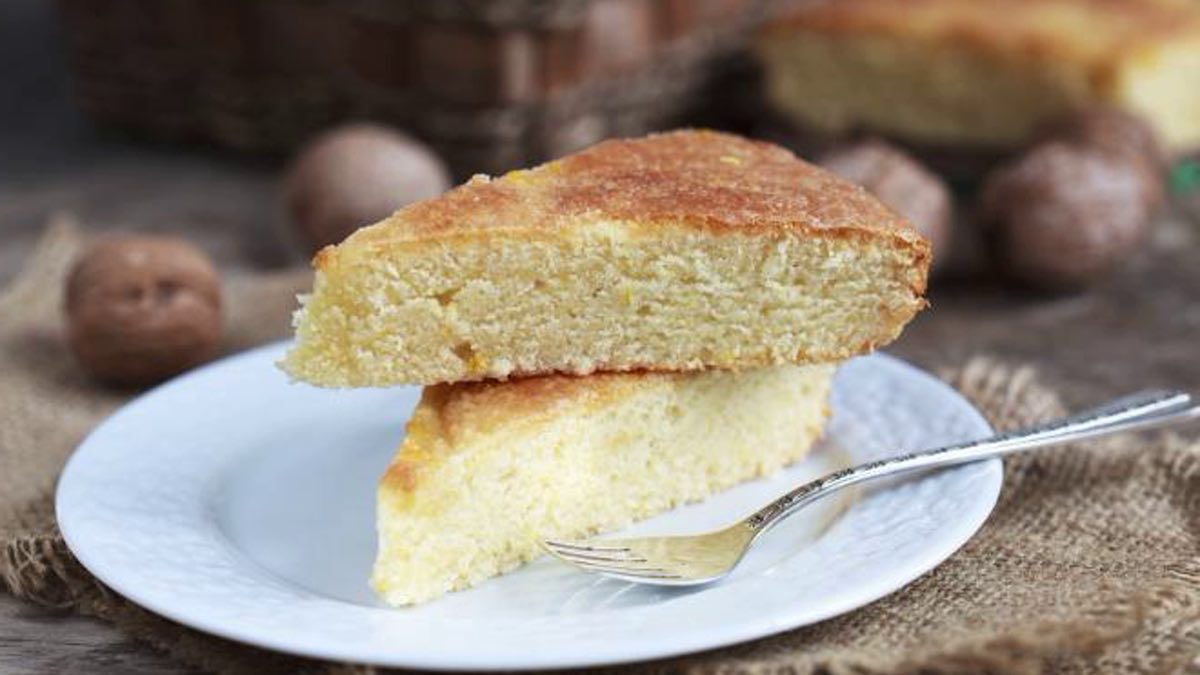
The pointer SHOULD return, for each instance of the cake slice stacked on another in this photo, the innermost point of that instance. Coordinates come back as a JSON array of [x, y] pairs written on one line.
[[680, 251], [668, 311]]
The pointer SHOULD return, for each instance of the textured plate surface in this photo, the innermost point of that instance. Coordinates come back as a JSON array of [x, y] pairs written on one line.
[[239, 504]]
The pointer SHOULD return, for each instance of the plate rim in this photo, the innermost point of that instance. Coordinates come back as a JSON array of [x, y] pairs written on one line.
[[692, 642]]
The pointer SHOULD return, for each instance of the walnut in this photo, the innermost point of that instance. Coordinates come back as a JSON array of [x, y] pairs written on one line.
[[1113, 129], [1064, 214], [356, 175], [1118, 132], [900, 182], [142, 308]]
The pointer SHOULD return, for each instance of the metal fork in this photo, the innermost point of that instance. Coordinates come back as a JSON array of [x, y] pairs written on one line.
[[703, 558]]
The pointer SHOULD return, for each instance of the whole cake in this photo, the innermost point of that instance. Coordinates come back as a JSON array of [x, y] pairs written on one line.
[[489, 469], [676, 252], [981, 75]]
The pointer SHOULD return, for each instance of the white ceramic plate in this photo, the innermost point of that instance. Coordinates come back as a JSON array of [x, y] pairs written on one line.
[[239, 504]]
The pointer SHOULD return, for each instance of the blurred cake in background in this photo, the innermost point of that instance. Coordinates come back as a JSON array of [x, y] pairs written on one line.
[[964, 82]]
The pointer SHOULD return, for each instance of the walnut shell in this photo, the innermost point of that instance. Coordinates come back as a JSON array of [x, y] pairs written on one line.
[[356, 175], [900, 182], [1063, 214], [1113, 129], [142, 308], [1119, 132]]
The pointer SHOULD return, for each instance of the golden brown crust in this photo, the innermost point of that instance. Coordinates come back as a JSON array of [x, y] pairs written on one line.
[[709, 180], [1099, 32], [447, 410], [481, 405]]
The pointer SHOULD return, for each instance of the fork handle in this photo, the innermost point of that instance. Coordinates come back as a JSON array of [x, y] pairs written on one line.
[[1142, 410]]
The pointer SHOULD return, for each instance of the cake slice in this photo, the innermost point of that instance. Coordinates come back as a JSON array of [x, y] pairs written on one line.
[[489, 469], [978, 76], [680, 251]]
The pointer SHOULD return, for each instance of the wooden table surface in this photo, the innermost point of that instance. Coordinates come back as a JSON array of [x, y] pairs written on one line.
[[1140, 328]]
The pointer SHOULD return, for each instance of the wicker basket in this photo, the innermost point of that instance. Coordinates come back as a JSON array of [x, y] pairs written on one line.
[[491, 84]]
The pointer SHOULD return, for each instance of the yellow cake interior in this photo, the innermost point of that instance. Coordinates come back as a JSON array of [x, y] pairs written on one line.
[[638, 296], [983, 73], [489, 469]]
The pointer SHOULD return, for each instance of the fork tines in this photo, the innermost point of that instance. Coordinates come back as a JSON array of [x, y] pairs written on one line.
[[617, 561]]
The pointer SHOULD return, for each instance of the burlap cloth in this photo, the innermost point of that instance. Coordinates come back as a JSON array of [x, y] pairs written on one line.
[[1090, 563]]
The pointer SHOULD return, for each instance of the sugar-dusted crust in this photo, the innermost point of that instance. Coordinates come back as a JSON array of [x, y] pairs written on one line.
[[1095, 32], [708, 180]]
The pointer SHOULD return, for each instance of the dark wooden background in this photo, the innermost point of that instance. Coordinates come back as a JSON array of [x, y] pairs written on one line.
[[1141, 328]]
